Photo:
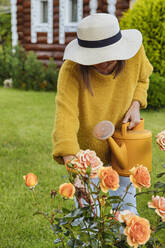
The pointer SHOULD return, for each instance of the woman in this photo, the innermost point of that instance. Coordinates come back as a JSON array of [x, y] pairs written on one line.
[[105, 76]]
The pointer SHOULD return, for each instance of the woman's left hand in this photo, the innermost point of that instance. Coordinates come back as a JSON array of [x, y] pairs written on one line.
[[133, 115]]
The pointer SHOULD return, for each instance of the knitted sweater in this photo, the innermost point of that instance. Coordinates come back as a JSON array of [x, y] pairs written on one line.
[[77, 111]]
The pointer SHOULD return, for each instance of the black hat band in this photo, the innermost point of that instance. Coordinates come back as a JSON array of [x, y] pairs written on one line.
[[100, 43]]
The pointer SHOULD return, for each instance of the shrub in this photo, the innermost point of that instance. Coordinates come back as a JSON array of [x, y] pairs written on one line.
[[51, 75], [16, 61], [4, 67], [149, 17], [156, 96], [26, 71], [34, 72], [5, 30]]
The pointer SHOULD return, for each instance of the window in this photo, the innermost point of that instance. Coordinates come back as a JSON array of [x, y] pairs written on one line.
[[40, 20], [44, 11], [73, 11]]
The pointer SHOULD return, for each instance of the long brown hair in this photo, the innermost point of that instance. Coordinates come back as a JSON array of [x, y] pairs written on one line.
[[84, 70]]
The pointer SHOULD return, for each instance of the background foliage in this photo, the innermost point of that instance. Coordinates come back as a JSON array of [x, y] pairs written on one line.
[[26, 71], [149, 17]]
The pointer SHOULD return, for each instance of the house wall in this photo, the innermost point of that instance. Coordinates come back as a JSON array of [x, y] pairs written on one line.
[[44, 50]]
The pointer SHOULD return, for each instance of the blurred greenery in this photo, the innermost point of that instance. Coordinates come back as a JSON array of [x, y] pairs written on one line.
[[5, 2]]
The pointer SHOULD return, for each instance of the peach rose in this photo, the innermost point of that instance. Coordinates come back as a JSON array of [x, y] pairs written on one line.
[[124, 215], [159, 204], [86, 159], [160, 139], [109, 179], [30, 180], [67, 190], [137, 231], [140, 177]]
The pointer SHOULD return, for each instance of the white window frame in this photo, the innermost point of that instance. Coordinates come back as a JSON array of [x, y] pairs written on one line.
[[93, 4], [68, 23], [14, 23], [36, 25], [64, 24], [112, 6]]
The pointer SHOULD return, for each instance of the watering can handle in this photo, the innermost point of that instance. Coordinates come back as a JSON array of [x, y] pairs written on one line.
[[140, 126]]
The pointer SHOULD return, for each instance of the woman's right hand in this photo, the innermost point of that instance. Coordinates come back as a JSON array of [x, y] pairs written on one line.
[[68, 158]]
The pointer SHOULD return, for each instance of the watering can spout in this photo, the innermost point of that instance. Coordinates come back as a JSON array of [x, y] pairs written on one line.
[[120, 153], [104, 130]]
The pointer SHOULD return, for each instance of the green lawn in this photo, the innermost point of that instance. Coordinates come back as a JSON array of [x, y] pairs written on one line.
[[26, 123]]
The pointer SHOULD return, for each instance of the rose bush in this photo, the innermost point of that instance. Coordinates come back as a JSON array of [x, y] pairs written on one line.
[[85, 227]]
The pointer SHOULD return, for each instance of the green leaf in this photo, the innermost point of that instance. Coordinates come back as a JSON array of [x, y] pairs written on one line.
[[129, 204], [57, 228], [69, 165], [74, 243], [78, 222], [160, 226], [88, 170], [160, 174], [67, 233], [65, 210], [70, 243], [57, 241], [77, 212], [146, 192], [62, 222], [159, 185], [84, 236]]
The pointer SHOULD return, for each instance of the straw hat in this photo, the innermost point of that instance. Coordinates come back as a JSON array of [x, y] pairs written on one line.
[[99, 39]]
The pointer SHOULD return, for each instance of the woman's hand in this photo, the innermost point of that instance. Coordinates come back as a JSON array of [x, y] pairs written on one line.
[[133, 115], [68, 158]]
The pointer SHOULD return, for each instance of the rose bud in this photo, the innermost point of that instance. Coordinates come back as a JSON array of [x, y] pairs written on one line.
[[67, 190], [30, 180]]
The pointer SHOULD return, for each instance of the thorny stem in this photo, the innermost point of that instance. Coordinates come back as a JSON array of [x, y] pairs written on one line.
[[35, 198], [59, 235], [123, 198], [45, 215], [94, 200]]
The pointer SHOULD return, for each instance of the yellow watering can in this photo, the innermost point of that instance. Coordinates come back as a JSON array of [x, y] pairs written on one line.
[[128, 147]]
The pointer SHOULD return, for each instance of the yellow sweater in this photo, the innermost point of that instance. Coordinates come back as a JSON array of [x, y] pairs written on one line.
[[77, 111]]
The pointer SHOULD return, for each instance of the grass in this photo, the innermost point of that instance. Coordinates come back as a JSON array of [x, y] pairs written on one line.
[[26, 123]]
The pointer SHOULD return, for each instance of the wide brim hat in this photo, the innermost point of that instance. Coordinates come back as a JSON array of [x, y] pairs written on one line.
[[99, 39]]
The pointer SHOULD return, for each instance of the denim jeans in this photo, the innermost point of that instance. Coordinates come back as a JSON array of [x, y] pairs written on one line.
[[128, 199]]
